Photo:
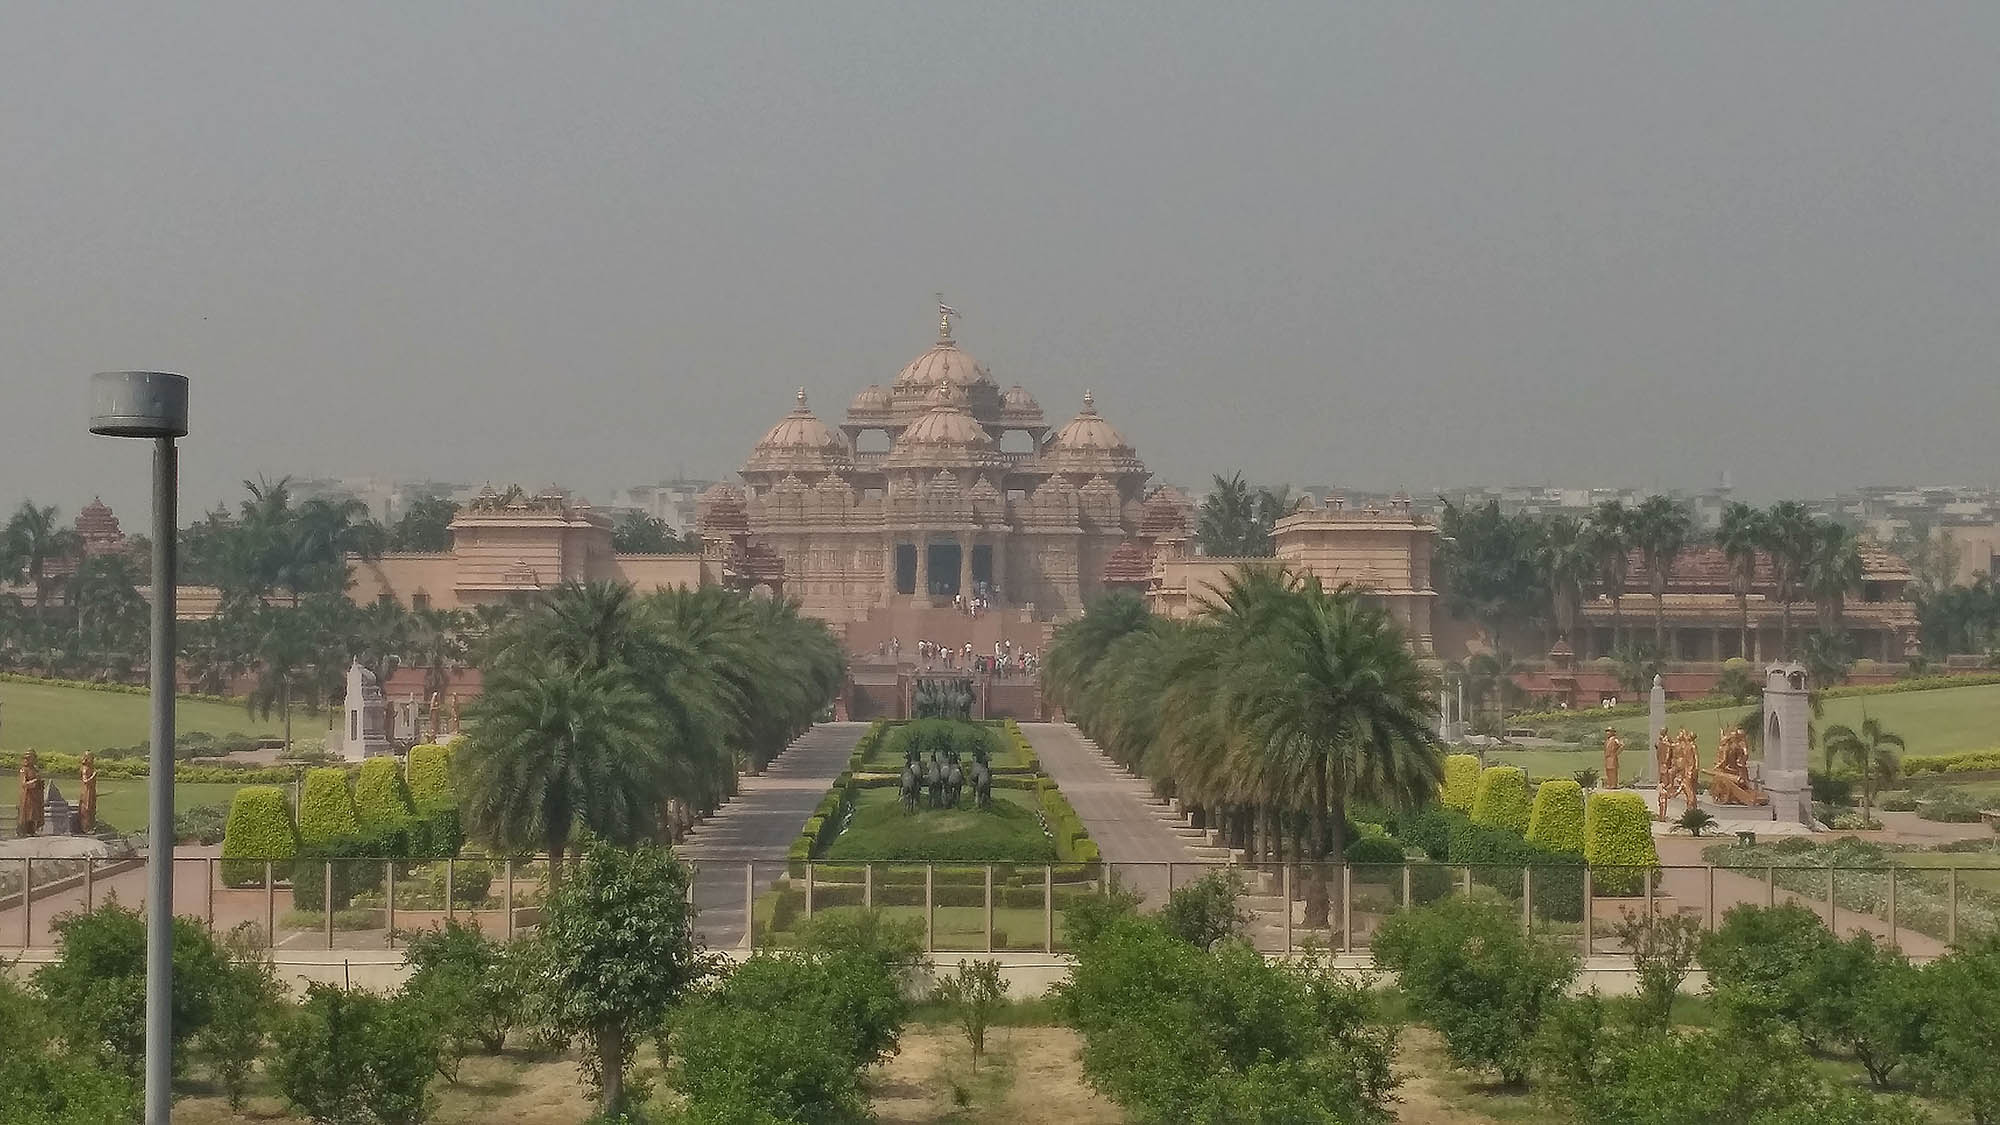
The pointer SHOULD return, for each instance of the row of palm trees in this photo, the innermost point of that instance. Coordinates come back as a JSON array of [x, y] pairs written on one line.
[[1809, 555], [1272, 710], [626, 715]]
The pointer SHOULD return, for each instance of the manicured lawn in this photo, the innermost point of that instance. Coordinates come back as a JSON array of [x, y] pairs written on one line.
[[1011, 830], [72, 720], [1941, 721], [121, 803]]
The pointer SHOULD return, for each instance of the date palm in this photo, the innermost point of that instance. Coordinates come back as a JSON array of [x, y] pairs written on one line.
[[1569, 559], [1741, 536], [1331, 699], [38, 537], [1789, 537], [436, 643], [1659, 529], [1609, 533], [1872, 751], [1832, 568], [553, 747], [1079, 645]]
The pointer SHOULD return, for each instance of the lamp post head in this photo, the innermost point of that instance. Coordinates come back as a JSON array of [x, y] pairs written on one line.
[[142, 404]]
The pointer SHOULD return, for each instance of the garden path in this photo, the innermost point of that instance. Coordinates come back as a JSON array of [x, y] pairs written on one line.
[[759, 824], [1130, 825]]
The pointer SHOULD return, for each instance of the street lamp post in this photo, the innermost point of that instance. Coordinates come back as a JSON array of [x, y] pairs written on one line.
[[154, 404]]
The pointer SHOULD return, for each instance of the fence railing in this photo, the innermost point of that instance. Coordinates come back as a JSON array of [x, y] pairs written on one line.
[[373, 903]]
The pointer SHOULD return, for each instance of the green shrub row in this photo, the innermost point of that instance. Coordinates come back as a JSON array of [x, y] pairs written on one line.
[[1073, 843], [259, 828], [357, 859], [58, 764], [114, 689], [1618, 837], [1967, 761], [1501, 800]]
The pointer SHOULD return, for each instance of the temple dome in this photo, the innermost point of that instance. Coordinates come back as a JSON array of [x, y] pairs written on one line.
[[944, 363], [872, 400], [801, 429], [1018, 398], [1088, 432]]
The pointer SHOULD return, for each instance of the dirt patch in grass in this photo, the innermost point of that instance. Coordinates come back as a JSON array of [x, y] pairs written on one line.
[[514, 1087], [1030, 1076]]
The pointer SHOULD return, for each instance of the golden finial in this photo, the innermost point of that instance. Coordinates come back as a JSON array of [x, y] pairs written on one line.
[[945, 313], [802, 398]]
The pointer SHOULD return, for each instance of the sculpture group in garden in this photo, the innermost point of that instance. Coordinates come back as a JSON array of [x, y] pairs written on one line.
[[939, 783], [1679, 756]]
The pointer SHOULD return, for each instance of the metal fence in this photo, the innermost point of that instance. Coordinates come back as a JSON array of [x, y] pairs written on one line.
[[357, 904]]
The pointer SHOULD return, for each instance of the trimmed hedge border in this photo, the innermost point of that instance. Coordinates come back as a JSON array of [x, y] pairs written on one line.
[[1966, 761], [1709, 702]]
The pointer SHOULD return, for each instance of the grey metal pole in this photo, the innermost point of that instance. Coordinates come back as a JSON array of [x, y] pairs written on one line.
[[160, 797]]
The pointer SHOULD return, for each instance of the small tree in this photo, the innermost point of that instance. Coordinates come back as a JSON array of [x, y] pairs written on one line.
[[1470, 972], [973, 993], [472, 987], [96, 987], [1767, 964], [1959, 1050], [1663, 949], [1204, 912], [349, 1057], [245, 1012], [618, 951]]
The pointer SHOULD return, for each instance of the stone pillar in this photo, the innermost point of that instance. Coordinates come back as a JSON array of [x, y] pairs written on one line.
[[888, 567], [923, 567], [1000, 569], [965, 566], [1787, 710], [1656, 720]]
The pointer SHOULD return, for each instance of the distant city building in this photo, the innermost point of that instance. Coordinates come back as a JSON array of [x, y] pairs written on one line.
[[673, 502]]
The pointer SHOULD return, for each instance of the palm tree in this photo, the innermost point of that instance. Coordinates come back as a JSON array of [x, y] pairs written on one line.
[[1227, 523], [1869, 751], [1079, 645], [38, 537], [1332, 701], [282, 646], [1659, 529], [1788, 530], [110, 614], [436, 643], [1570, 559], [1741, 535], [1832, 567], [552, 747], [1637, 662], [1493, 673], [1609, 533]]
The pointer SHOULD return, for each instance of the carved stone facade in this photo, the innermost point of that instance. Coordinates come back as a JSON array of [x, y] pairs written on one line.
[[966, 495]]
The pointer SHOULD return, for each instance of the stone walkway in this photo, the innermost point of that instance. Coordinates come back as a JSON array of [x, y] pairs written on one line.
[[1138, 834], [759, 824]]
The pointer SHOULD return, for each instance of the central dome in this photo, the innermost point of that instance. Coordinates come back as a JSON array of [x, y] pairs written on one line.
[[944, 363]]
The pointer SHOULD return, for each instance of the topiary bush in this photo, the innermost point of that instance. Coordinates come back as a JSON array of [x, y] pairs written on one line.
[[1556, 820], [1618, 836], [429, 775], [1501, 800], [326, 808], [380, 798], [1461, 782], [259, 828]]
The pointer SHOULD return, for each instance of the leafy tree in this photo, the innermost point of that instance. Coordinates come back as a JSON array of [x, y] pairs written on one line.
[[1659, 528], [425, 525], [350, 1057], [1637, 662], [44, 1083], [472, 987], [1470, 972], [1964, 1030], [1663, 949], [1828, 656], [1767, 965], [1205, 912], [1492, 567], [1869, 751], [1490, 675], [1735, 683], [1741, 535], [639, 534], [245, 1012], [973, 994], [111, 617], [618, 952], [96, 987]]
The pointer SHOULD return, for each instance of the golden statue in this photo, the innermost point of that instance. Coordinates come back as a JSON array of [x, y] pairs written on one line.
[[29, 817], [1613, 745], [86, 801], [1663, 752], [1729, 782], [1688, 768]]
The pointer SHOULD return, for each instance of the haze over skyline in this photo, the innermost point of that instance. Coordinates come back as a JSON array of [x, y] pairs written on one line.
[[1372, 244]]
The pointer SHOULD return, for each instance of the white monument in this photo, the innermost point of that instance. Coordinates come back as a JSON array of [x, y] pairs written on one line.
[[365, 733], [1787, 710], [1656, 721]]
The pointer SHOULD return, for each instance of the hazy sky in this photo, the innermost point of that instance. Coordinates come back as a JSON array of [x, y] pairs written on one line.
[[1379, 245]]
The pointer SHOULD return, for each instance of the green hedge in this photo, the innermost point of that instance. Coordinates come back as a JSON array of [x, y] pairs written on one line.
[[56, 764], [1556, 821], [379, 794], [1498, 858], [1430, 831], [429, 776], [1618, 833], [259, 828], [326, 808], [1501, 800], [1461, 782], [1968, 761]]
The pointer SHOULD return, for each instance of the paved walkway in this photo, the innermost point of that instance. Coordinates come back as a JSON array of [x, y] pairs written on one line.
[[1119, 811], [760, 824]]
